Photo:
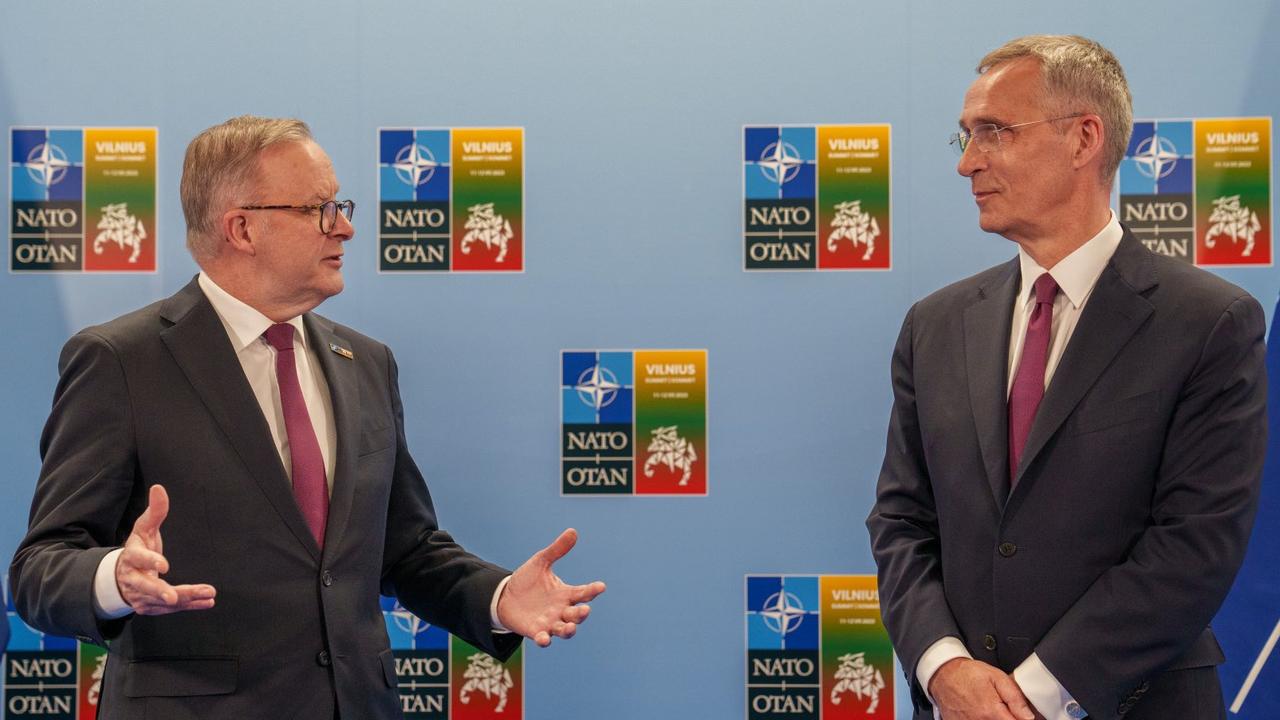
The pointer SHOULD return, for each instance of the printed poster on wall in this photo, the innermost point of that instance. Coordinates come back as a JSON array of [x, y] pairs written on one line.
[[633, 422], [816, 197], [817, 649], [451, 199], [443, 678], [82, 199], [1200, 190], [47, 676]]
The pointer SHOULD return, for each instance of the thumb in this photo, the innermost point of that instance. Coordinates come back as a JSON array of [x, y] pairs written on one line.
[[157, 510], [560, 546], [1013, 698]]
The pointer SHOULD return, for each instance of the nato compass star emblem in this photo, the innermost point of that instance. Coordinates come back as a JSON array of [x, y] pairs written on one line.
[[47, 163], [597, 387], [1156, 157], [782, 612], [408, 622], [415, 164], [780, 162]]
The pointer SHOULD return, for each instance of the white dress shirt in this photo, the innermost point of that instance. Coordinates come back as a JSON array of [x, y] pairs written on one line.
[[1076, 275], [245, 326]]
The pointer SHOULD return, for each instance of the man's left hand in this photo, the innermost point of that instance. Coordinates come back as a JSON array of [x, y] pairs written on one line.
[[537, 604]]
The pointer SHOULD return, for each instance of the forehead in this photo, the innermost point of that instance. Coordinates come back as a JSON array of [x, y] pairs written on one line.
[[296, 167], [1004, 94]]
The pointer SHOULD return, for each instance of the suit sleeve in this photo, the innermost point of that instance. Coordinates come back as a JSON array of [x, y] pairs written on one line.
[[904, 528], [423, 567], [85, 490], [1160, 599]]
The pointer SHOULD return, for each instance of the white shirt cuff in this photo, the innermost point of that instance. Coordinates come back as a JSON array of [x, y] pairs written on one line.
[[938, 654], [108, 604], [1044, 691], [498, 627]]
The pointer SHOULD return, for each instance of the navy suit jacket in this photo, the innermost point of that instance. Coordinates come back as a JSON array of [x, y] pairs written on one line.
[[158, 396], [1135, 495]]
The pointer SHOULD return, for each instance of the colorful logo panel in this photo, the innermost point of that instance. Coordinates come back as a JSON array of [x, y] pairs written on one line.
[[633, 422], [49, 677], [441, 677], [817, 648], [816, 197], [1200, 190], [82, 199], [451, 199]]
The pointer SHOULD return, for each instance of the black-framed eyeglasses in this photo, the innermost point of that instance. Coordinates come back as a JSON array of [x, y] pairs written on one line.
[[986, 137], [328, 211]]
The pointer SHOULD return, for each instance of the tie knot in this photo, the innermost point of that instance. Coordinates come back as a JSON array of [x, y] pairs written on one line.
[[1046, 289], [280, 336]]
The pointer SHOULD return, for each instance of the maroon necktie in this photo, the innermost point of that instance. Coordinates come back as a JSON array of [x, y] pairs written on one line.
[[310, 488], [1028, 384]]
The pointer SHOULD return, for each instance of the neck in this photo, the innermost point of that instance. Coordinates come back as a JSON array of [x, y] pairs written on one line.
[[243, 286], [1058, 242]]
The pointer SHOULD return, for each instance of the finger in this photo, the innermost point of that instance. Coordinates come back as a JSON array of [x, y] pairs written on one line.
[[1012, 696], [136, 558], [139, 589], [192, 593], [564, 630], [576, 613], [585, 593], [560, 547], [542, 638], [148, 523]]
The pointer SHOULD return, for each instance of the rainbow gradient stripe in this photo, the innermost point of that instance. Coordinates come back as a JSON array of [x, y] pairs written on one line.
[[1233, 169]]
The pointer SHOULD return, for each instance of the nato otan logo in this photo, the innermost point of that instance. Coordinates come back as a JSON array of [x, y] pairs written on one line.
[[82, 199], [633, 422], [451, 199], [816, 648], [816, 197], [1200, 190], [47, 676], [443, 678]]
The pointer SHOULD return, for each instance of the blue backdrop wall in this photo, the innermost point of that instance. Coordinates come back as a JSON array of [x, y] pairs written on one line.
[[633, 114]]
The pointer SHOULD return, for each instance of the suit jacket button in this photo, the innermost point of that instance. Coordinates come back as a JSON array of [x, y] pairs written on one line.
[[1008, 549], [326, 578], [989, 642], [322, 658]]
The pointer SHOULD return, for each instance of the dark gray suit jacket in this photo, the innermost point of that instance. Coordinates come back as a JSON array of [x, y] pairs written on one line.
[[1135, 495], [158, 396]]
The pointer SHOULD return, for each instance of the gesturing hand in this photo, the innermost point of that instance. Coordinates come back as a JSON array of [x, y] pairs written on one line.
[[967, 689], [140, 565], [537, 604]]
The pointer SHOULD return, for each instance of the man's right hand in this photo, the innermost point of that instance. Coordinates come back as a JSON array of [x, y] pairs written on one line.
[[965, 689], [140, 565]]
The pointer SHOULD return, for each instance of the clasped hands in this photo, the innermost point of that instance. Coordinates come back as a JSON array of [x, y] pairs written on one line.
[[535, 603], [965, 689]]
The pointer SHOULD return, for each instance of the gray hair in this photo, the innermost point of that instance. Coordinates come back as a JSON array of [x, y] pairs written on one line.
[[1079, 76], [218, 163]]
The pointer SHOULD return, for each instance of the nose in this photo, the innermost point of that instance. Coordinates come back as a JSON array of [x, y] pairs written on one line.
[[971, 161], [342, 230]]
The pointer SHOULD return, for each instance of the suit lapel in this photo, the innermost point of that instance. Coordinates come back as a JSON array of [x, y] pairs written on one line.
[[200, 346], [1114, 312], [986, 343], [344, 391]]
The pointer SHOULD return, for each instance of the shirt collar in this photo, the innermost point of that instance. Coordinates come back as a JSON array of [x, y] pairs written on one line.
[[1077, 273], [243, 323]]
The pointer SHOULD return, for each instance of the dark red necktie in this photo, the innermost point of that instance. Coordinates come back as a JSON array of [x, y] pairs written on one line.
[[310, 488], [1028, 384]]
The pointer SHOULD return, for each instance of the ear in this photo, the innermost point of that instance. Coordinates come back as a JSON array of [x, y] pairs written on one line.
[[238, 231], [1090, 136]]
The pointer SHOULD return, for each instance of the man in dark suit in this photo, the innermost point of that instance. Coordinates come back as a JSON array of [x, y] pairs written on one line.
[[269, 442], [1076, 438]]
